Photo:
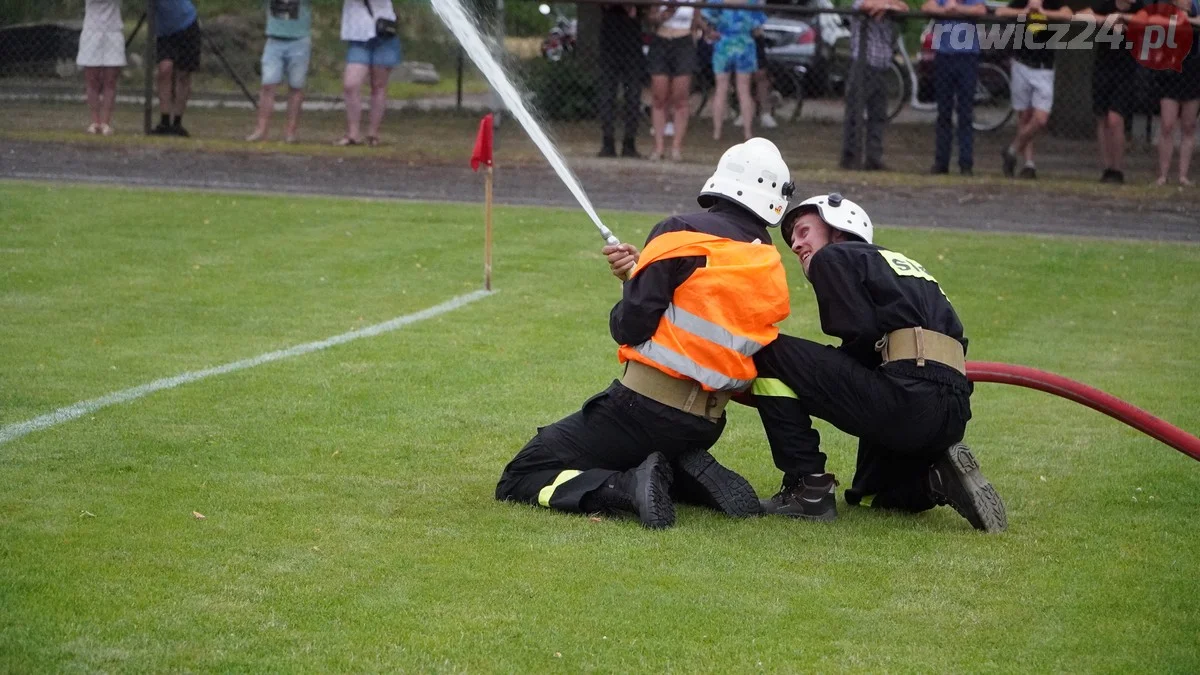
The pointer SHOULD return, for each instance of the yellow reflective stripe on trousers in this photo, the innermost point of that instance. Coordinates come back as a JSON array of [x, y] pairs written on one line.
[[546, 492], [769, 386]]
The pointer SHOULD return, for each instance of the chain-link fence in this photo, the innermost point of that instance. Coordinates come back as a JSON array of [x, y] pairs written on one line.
[[660, 79]]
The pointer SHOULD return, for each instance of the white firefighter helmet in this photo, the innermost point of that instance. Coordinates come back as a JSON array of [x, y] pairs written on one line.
[[754, 175], [838, 212]]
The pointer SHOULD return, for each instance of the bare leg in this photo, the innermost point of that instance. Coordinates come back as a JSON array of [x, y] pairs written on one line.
[[295, 103], [681, 86], [379, 82], [720, 95], [109, 97], [166, 72], [266, 105], [1032, 125], [183, 90], [762, 90], [93, 79], [746, 101], [660, 95], [352, 82], [1102, 142], [1166, 137], [1116, 140], [1187, 139]]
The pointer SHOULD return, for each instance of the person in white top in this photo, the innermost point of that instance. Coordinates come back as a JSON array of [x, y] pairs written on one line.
[[373, 49], [101, 55], [672, 61]]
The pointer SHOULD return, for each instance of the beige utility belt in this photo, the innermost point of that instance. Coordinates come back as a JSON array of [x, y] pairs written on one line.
[[923, 345], [685, 395]]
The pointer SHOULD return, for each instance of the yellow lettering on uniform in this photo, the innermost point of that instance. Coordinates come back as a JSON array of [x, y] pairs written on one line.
[[905, 266]]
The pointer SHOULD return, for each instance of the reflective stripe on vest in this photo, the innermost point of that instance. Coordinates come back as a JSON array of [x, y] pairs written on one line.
[[710, 331], [689, 368]]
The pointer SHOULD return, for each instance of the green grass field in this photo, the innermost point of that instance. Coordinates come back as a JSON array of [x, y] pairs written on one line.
[[349, 520]]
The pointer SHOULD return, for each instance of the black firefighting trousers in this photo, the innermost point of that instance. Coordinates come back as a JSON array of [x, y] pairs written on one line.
[[614, 431], [903, 420]]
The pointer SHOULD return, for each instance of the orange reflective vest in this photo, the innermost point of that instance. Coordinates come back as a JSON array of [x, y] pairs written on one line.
[[720, 316]]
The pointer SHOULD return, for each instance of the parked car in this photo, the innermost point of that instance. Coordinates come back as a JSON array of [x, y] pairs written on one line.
[[36, 49]]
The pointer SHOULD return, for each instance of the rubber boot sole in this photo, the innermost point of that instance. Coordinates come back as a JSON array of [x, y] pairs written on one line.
[[700, 478], [979, 502], [652, 492]]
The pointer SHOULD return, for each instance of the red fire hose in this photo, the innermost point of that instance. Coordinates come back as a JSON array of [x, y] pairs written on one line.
[[1023, 376]]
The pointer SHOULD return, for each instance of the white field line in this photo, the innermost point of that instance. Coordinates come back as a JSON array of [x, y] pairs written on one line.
[[14, 431]]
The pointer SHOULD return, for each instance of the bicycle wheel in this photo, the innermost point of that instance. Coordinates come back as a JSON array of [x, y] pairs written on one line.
[[993, 98], [896, 85]]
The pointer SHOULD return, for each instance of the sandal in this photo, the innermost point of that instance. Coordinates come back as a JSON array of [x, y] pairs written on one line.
[[346, 140]]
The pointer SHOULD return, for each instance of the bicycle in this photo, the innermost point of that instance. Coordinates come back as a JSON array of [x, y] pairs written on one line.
[[993, 91]]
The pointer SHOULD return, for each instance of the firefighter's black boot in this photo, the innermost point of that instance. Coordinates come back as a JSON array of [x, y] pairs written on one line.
[[700, 479], [955, 480], [810, 498], [644, 491]]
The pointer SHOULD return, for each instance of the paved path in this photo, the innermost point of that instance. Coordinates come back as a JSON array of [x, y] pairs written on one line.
[[611, 184]]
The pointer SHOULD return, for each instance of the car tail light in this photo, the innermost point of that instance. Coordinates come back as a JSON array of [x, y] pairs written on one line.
[[808, 37]]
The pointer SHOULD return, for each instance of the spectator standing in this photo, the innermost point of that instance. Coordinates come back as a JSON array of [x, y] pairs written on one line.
[[1180, 104], [672, 62], [1032, 79], [734, 50], [287, 52], [1116, 88], [955, 72], [621, 68], [101, 55], [866, 90], [761, 84], [177, 30], [369, 29]]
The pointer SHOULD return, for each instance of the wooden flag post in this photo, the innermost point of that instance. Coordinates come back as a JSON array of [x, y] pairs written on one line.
[[483, 155], [487, 228]]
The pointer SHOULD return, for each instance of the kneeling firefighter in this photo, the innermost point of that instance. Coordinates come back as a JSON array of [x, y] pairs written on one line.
[[706, 294], [897, 382]]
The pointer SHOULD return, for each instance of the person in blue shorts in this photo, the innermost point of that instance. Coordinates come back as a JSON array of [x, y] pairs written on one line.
[[373, 50], [287, 52], [734, 50]]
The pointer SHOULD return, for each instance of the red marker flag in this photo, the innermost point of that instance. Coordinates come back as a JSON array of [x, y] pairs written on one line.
[[483, 144]]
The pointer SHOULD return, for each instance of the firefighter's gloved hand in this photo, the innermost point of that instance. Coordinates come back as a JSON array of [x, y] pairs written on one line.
[[621, 259]]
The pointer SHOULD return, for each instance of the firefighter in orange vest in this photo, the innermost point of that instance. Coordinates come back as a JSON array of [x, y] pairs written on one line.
[[707, 293], [897, 382]]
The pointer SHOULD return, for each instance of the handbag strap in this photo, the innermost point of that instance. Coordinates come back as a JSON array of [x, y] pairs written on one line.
[[369, 10]]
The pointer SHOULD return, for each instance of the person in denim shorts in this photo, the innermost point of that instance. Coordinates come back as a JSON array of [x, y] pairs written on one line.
[[287, 52], [368, 54], [733, 30]]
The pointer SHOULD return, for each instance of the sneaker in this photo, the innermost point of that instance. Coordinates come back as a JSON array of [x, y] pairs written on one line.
[[1112, 176], [178, 130], [650, 484], [875, 166], [607, 149], [768, 121], [1028, 173], [955, 480], [93, 128], [737, 121], [700, 479], [938, 170], [162, 130], [628, 149], [1008, 162], [669, 130], [811, 499]]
